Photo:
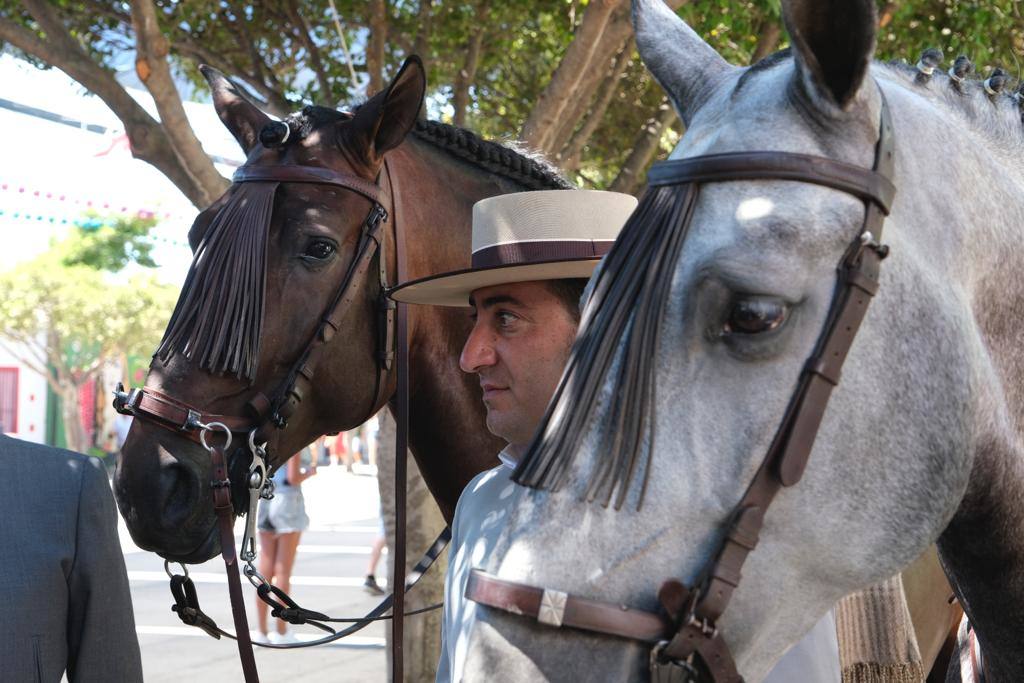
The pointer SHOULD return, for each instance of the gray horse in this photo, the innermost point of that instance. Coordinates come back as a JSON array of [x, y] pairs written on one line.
[[922, 439]]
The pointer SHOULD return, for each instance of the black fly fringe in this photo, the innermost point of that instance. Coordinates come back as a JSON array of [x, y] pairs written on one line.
[[220, 310], [623, 314]]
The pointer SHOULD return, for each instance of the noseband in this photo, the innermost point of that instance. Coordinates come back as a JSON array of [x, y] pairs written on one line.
[[686, 641]]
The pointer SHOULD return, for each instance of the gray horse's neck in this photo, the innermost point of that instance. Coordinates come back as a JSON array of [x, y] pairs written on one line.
[[976, 239]]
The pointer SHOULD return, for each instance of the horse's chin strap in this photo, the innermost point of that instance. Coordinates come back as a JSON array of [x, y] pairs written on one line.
[[693, 646]]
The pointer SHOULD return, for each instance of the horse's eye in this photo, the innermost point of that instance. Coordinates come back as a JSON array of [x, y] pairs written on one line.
[[755, 315], [320, 249]]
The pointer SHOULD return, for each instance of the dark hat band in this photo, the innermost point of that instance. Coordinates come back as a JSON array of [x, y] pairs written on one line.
[[539, 251]]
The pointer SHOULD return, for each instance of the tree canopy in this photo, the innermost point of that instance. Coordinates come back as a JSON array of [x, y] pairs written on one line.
[[64, 313], [562, 75]]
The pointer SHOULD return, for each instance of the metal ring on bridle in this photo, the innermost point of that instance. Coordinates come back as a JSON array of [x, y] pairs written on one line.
[[167, 568], [209, 428], [255, 578]]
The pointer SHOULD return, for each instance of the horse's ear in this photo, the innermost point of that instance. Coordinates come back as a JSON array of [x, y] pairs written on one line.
[[243, 118], [387, 117], [685, 66], [833, 41]]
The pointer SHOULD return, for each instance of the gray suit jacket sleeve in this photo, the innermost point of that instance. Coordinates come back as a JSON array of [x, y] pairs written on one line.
[[102, 645]]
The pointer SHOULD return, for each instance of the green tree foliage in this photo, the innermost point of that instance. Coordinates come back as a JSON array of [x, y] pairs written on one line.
[[111, 247], [64, 321], [989, 32], [488, 63]]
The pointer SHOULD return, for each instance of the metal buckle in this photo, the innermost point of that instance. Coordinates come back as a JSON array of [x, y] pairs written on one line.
[[192, 421], [706, 626], [869, 241], [125, 402], [667, 670]]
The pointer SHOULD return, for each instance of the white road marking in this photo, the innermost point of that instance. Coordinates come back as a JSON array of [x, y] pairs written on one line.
[[346, 528], [191, 632], [211, 577], [129, 548], [339, 549]]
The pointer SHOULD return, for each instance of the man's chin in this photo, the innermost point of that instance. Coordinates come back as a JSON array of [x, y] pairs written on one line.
[[499, 424]]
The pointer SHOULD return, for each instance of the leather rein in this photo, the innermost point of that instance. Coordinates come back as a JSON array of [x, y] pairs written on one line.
[[268, 416], [685, 640]]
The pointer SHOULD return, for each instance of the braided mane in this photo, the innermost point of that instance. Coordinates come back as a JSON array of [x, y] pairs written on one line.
[[533, 172], [506, 160]]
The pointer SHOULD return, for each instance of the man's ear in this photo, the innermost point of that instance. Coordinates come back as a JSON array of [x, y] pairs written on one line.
[[383, 122], [243, 118]]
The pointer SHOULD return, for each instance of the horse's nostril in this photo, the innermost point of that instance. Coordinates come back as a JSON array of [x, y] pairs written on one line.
[[181, 493]]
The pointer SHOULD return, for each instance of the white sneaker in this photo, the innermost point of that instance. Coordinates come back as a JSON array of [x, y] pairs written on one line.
[[258, 637], [283, 638]]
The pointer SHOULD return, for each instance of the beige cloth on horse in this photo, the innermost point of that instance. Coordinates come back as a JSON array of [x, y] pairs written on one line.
[[876, 636]]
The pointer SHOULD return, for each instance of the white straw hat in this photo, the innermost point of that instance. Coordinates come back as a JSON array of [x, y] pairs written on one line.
[[526, 236]]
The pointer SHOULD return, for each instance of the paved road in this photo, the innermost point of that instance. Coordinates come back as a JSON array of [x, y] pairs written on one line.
[[328, 577]]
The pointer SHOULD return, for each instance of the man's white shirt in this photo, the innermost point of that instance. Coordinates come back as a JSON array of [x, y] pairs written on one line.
[[479, 517]]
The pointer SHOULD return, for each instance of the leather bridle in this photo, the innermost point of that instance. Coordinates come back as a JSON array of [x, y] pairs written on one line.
[[685, 640], [268, 415]]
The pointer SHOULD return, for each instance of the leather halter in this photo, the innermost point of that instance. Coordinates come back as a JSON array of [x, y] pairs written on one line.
[[686, 637]]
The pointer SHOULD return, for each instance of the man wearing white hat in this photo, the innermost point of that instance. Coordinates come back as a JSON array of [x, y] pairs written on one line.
[[532, 255]]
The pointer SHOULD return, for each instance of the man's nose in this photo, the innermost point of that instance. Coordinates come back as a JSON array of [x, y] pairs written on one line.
[[478, 351]]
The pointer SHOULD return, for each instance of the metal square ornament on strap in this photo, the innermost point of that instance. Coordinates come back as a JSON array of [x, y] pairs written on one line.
[[552, 607]]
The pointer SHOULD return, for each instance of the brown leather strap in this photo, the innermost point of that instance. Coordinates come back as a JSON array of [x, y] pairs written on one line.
[[309, 174], [170, 413], [401, 447], [299, 381], [787, 457], [860, 182], [558, 609], [220, 484]]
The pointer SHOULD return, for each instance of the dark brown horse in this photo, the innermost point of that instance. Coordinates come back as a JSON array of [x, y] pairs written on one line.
[[436, 172]]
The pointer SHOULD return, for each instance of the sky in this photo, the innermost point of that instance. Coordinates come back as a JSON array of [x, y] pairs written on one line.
[[52, 174]]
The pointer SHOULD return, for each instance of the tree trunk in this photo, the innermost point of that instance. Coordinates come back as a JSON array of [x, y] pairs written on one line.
[[577, 109], [148, 140], [151, 65], [263, 79], [421, 644], [573, 151], [644, 149], [467, 74], [603, 31], [376, 44], [767, 40], [315, 62], [421, 46], [74, 434], [576, 64]]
